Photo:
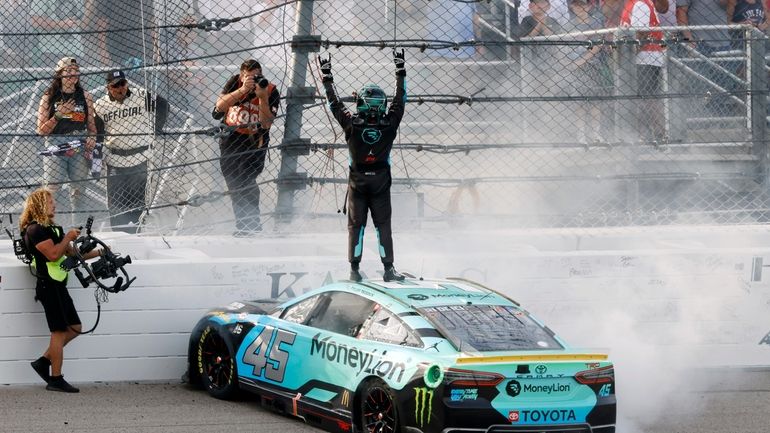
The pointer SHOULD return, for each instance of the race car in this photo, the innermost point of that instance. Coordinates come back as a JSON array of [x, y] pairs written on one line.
[[414, 356]]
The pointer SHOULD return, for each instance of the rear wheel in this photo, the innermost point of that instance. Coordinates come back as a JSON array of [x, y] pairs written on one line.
[[216, 363], [378, 408]]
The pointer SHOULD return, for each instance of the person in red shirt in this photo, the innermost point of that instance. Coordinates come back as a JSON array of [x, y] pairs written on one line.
[[650, 59]]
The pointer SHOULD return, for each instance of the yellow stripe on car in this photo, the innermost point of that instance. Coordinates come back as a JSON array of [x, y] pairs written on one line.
[[533, 358]]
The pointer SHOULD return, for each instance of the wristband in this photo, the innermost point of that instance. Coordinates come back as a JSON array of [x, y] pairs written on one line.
[[58, 116]]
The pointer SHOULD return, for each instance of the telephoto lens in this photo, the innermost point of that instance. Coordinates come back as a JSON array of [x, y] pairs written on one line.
[[261, 81]]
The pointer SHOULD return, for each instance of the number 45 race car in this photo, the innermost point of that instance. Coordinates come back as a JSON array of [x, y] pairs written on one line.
[[411, 356]]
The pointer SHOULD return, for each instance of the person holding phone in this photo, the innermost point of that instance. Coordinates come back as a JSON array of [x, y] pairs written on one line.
[[66, 114]]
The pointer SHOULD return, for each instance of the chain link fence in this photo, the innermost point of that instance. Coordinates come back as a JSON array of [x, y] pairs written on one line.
[[506, 124]]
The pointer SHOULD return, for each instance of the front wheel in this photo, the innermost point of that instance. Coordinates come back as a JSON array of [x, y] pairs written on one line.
[[216, 363], [378, 408]]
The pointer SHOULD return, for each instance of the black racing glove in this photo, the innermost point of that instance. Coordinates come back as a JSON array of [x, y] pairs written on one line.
[[398, 59], [326, 69]]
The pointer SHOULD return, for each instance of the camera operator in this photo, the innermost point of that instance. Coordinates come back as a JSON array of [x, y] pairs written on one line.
[[125, 111], [48, 245], [248, 102], [369, 134]]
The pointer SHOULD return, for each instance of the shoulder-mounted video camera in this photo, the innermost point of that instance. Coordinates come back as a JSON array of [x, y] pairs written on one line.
[[106, 267]]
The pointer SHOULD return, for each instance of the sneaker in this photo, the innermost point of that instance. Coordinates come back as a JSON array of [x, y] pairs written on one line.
[[391, 274], [41, 366], [58, 383], [355, 275]]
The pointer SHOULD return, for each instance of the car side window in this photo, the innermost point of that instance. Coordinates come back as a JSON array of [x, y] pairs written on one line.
[[300, 311], [344, 314], [386, 327]]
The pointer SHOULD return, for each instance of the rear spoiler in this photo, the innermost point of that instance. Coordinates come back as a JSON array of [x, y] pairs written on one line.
[[543, 357]]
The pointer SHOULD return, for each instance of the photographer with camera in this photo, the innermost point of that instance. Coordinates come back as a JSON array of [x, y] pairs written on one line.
[[129, 119], [247, 106], [49, 245], [369, 134]]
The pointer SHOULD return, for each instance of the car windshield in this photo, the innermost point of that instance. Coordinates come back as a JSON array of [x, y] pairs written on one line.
[[487, 328]]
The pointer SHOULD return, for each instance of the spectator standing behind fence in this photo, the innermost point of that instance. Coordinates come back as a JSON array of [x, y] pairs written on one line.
[[369, 134], [589, 73], [611, 10], [703, 13], [130, 120], [248, 104], [650, 59], [745, 12], [539, 23], [66, 115], [559, 11], [541, 69]]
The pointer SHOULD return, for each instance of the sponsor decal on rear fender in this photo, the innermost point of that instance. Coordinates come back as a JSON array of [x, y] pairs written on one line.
[[423, 405], [464, 394]]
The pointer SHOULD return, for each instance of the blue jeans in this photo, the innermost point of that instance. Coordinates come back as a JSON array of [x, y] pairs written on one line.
[[75, 169], [126, 196]]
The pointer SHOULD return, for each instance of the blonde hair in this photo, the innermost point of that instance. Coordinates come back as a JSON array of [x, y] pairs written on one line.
[[36, 209]]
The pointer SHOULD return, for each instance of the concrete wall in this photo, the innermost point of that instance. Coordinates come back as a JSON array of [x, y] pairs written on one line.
[[702, 293]]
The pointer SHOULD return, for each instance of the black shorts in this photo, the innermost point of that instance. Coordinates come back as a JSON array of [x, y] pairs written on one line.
[[59, 309]]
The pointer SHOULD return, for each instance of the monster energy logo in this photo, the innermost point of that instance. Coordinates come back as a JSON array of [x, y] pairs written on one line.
[[422, 397]]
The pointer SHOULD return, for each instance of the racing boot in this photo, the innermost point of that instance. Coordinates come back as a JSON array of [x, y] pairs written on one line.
[[354, 274], [391, 274], [58, 383], [41, 366]]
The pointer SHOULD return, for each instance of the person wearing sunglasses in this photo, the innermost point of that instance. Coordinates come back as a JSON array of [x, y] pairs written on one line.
[[129, 119], [66, 115]]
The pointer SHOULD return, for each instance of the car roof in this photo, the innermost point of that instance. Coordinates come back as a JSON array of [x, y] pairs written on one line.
[[423, 293]]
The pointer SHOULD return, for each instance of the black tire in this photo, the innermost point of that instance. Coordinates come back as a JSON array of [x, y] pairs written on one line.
[[216, 364], [379, 413]]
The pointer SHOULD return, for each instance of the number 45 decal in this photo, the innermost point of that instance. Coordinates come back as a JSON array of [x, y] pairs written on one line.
[[266, 355]]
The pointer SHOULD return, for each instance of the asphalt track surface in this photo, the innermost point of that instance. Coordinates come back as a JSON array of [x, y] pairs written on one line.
[[736, 401]]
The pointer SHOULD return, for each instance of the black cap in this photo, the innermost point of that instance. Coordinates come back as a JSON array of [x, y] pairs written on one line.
[[115, 75]]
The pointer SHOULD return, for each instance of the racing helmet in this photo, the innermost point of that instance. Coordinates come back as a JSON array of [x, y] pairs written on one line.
[[371, 99]]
